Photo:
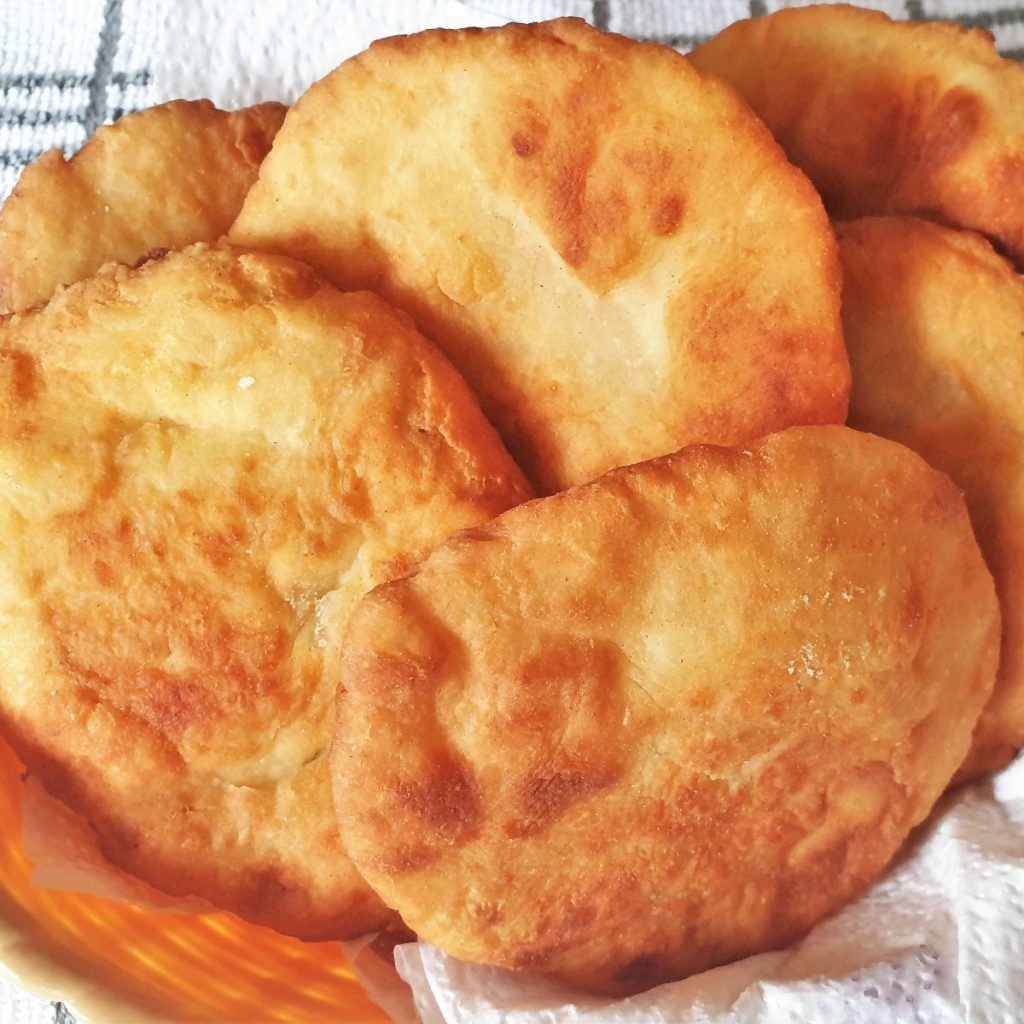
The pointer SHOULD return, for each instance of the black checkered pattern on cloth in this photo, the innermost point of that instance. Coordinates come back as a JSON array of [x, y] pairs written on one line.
[[62, 77], [98, 69]]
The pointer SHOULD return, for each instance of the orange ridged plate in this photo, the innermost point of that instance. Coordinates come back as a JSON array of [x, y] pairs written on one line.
[[117, 962]]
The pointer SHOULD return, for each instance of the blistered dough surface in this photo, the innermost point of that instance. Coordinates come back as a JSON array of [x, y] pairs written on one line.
[[670, 718], [204, 463]]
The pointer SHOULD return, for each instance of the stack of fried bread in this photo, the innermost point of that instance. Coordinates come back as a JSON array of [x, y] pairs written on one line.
[[280, 614]]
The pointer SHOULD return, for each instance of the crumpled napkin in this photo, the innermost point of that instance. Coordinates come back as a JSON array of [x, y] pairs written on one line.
[[939, 939]]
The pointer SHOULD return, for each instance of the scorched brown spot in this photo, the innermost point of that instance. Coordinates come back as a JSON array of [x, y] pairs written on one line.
[[545, 798], [19, 374], [570, 209], [407, 664], [601, 206], [667, 216], [570, 689], [522, 145], [387, 674], [529, 132], [446, 802], [221, 546]]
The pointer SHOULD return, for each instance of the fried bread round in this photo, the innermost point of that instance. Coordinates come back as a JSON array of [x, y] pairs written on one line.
[[611, 249], [161, 178], [934, 321], [205, 462], [887, 116], [669, 718]]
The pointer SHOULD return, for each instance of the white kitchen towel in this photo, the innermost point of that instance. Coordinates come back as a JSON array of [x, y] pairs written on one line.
[[67, 66]]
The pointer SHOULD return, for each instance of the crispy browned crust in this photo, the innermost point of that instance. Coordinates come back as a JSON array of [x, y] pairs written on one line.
[[887, 116], [934, 321], [670, 718], [611, 249], [205, 462], [160, 178]]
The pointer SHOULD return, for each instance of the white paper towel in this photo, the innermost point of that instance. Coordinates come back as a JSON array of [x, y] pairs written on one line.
[[238, 54], [277, 50], [939, 939]]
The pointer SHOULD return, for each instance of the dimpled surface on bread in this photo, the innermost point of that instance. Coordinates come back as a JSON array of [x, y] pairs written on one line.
[[161, 178], [887, 116], [672, 717], [607, 244], [204, 462], [934, 321]]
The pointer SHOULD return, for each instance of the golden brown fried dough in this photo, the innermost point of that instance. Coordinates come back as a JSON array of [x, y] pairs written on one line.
[[609, 247], [204, 464], [934, 322], [887, 116], [160, 178], [670, 718]]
